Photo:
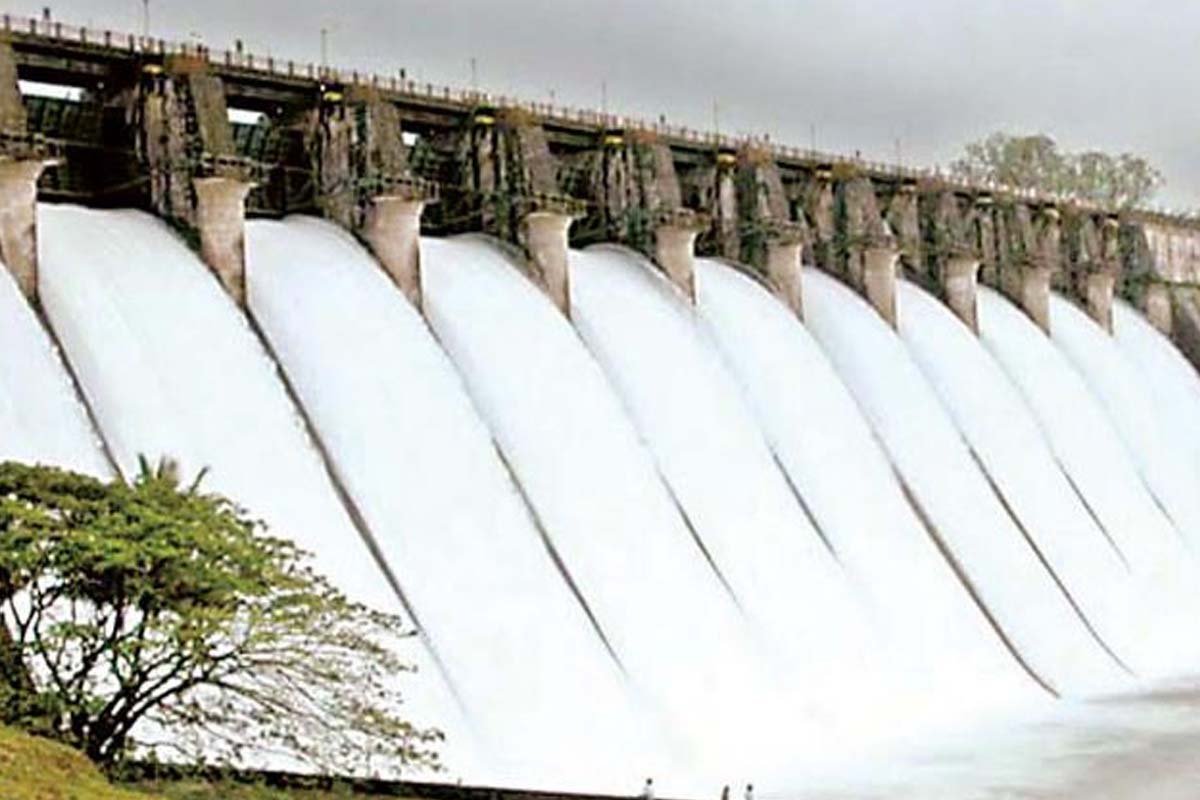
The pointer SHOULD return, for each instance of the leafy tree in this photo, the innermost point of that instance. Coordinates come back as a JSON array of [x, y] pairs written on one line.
[[1035, 162], [152, 617]]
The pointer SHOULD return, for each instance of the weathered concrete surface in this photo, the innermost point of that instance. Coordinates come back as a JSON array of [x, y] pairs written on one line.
[[868, 254], [18, 222], [951, 261], [393, 232], [544, 235], [784, 274], [220, 221], [674, 252], [13, 117], [959, 281]]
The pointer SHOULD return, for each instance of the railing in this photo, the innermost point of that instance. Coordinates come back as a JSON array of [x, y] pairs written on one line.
[[240, 59]]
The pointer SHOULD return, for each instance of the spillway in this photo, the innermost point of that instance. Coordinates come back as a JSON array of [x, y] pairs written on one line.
[[41, 419], [422, 469], [998, 426], [171, 368], [1163, 457], [596, 492], [711, 452], [954, 661], [1086, 444], [1173, 380], [961, 507]]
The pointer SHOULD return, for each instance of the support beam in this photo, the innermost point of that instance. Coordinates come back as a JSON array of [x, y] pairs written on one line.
[[784, 274], [393, 231], [18, 222], [544, 236], [221, 223], [960, 284], [674, 252]]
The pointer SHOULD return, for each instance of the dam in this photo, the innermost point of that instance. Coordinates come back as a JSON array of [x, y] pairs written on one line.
[[687, 456]]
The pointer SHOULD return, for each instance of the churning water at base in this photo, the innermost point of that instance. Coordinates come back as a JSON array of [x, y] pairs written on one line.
[[963, 509], [171, 368], [422, 470], [41, 419]]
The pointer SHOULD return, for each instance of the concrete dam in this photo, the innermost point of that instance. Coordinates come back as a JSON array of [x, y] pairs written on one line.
[[706, 459]]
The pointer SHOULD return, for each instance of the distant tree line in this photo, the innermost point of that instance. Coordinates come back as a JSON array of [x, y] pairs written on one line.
[[1036, 162]]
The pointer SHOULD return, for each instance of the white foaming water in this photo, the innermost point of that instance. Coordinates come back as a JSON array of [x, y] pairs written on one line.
[[1163, 457], [172, 368], [41, 419], [1173, 380], [603, 505], [1087, 445], [937, 467], [953, 659], [999, 427], [712, 454], [424, 473]]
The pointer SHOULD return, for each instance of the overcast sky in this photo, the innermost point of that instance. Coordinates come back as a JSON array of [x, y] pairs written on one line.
[[917, 78]]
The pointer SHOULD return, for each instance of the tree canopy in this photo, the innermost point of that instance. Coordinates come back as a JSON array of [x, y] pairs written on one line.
[[151, 617], [1035, 162]]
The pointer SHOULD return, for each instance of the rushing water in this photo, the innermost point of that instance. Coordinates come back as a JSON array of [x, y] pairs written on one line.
[[424, 473], [41, 419], [172, 368], [710, 544]]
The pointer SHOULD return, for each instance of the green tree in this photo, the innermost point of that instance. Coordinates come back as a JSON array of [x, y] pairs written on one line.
[[1035, 162], [152, 617]]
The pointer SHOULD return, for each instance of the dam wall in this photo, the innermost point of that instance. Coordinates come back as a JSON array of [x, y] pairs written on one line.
[[388, 157]]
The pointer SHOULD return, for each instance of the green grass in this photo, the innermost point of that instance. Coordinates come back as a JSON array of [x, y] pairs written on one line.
[[32, 768], [38, 769]]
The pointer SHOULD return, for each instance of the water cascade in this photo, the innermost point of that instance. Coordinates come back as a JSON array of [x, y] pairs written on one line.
[[1164, 458], [595, 489], [171, 368], [812, 423], [41, 419], [1002, 433], [422, 469], [962, 508], [712, 454], [1173, 381]]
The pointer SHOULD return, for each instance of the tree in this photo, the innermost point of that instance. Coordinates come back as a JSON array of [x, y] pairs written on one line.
[[153, 616], [1035, 162]]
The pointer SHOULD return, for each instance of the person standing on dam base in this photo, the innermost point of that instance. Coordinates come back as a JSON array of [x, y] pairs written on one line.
[[647, 790], [749, 795]]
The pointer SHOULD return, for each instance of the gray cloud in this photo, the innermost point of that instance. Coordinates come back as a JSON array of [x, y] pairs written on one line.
[[1105, 74]]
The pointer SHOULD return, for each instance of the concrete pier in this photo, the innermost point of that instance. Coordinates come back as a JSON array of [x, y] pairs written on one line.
[[18, 222], [393, 232], [221, 223], [675, 254], [544, 236], [1098, 297], [784, 274], [960, 282], [879, 280]]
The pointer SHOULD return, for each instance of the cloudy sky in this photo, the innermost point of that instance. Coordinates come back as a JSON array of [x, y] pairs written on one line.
[[907, 79]]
